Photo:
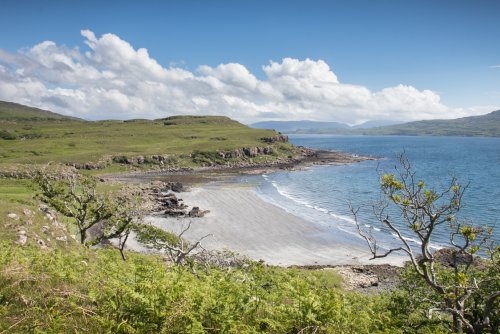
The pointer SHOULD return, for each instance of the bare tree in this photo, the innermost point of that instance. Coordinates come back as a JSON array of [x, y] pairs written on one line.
[[174, 245], [423, 211]]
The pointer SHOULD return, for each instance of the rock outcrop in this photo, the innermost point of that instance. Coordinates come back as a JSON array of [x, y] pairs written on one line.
[[170, 205], [279, 138], [196, 212], [251, 152]]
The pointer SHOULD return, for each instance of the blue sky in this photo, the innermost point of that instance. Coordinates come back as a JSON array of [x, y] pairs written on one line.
[[448, 47]]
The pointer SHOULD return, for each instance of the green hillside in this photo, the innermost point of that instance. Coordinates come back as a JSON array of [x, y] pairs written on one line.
[[29, 135], [10, 111], [486, 125], [479, 126]]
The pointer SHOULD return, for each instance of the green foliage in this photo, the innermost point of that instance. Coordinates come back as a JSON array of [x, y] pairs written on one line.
[[461, 296], [7, 135], [414, 304], [47, 292], [77, 197], [207, 158], [68, 141], [154, 237]]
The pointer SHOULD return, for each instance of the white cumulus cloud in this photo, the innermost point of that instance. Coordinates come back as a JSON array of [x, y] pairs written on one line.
[[112, 79]]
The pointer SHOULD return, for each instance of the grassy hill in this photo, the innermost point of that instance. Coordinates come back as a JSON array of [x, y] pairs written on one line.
[[486, 125], [480, 126], [30, 135], [10, 111]]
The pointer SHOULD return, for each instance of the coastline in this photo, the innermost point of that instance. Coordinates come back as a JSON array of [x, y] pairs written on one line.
[[240, 221], [307, 157]]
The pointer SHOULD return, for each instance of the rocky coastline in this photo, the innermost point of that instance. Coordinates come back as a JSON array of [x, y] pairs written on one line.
[[305, 157]]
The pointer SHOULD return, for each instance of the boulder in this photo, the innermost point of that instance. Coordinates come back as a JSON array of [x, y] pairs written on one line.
[[250, 151], [175, 212], [27, 212], [268, 150], [22, 238], [276, 139], [176, 187], [171, 201], [238, 153], [196, 212]]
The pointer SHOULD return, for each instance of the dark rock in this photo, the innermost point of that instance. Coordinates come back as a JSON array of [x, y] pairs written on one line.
[[196, 212], [87, 166], [171, 201], [448, 257], [238, 153], [175, 212], [176, 187], [250, 151], [275, 139]]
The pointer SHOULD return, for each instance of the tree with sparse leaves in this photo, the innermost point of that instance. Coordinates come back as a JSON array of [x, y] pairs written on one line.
[[173, 245], [467, 293], [76, 197]]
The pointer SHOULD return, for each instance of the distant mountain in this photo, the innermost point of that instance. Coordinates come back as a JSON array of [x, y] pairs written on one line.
[[318, 127], [294, 126], [486, 125], [375, 124], [10, 111]]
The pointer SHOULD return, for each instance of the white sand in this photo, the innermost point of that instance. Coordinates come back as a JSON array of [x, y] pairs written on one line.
[[241, 222]]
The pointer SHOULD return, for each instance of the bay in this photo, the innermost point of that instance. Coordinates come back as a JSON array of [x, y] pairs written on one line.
[[321, 194]]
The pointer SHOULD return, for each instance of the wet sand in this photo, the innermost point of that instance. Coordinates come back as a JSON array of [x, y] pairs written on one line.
[[242, 222]]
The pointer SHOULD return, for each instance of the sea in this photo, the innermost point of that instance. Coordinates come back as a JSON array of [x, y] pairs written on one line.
[[321, 194]]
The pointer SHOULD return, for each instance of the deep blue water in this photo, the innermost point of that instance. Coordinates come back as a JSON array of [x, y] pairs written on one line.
[[320, 194]]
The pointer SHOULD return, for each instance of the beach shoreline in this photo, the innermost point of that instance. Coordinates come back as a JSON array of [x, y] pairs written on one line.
[[199, 175], [242, 222]]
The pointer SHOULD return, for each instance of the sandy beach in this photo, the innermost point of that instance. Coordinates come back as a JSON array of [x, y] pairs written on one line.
[[240, 221]]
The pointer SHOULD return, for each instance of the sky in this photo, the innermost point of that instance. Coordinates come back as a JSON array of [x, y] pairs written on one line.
[[347, 61]]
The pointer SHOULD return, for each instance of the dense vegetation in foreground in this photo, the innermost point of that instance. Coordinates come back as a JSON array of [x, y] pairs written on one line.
[[95, 291], [52, 283]]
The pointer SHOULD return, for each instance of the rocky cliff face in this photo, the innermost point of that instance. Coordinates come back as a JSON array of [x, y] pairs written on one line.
[[246, 152], [279, 138]]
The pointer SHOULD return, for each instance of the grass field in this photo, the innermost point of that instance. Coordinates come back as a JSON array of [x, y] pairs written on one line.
[[33, 136]]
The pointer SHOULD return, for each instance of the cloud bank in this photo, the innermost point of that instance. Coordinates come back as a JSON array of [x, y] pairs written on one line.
[[112, 79]]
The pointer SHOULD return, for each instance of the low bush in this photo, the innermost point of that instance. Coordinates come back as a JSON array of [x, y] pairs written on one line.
[[95, 291]]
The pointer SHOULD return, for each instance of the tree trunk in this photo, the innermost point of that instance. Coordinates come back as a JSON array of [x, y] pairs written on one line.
[[83, 236]]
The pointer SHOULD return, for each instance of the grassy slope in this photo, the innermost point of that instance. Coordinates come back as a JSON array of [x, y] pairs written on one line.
[[485, 125], [39, 140], [18, 112]]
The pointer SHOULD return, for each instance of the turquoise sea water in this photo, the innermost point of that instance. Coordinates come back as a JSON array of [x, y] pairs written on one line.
[[320, 194]]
